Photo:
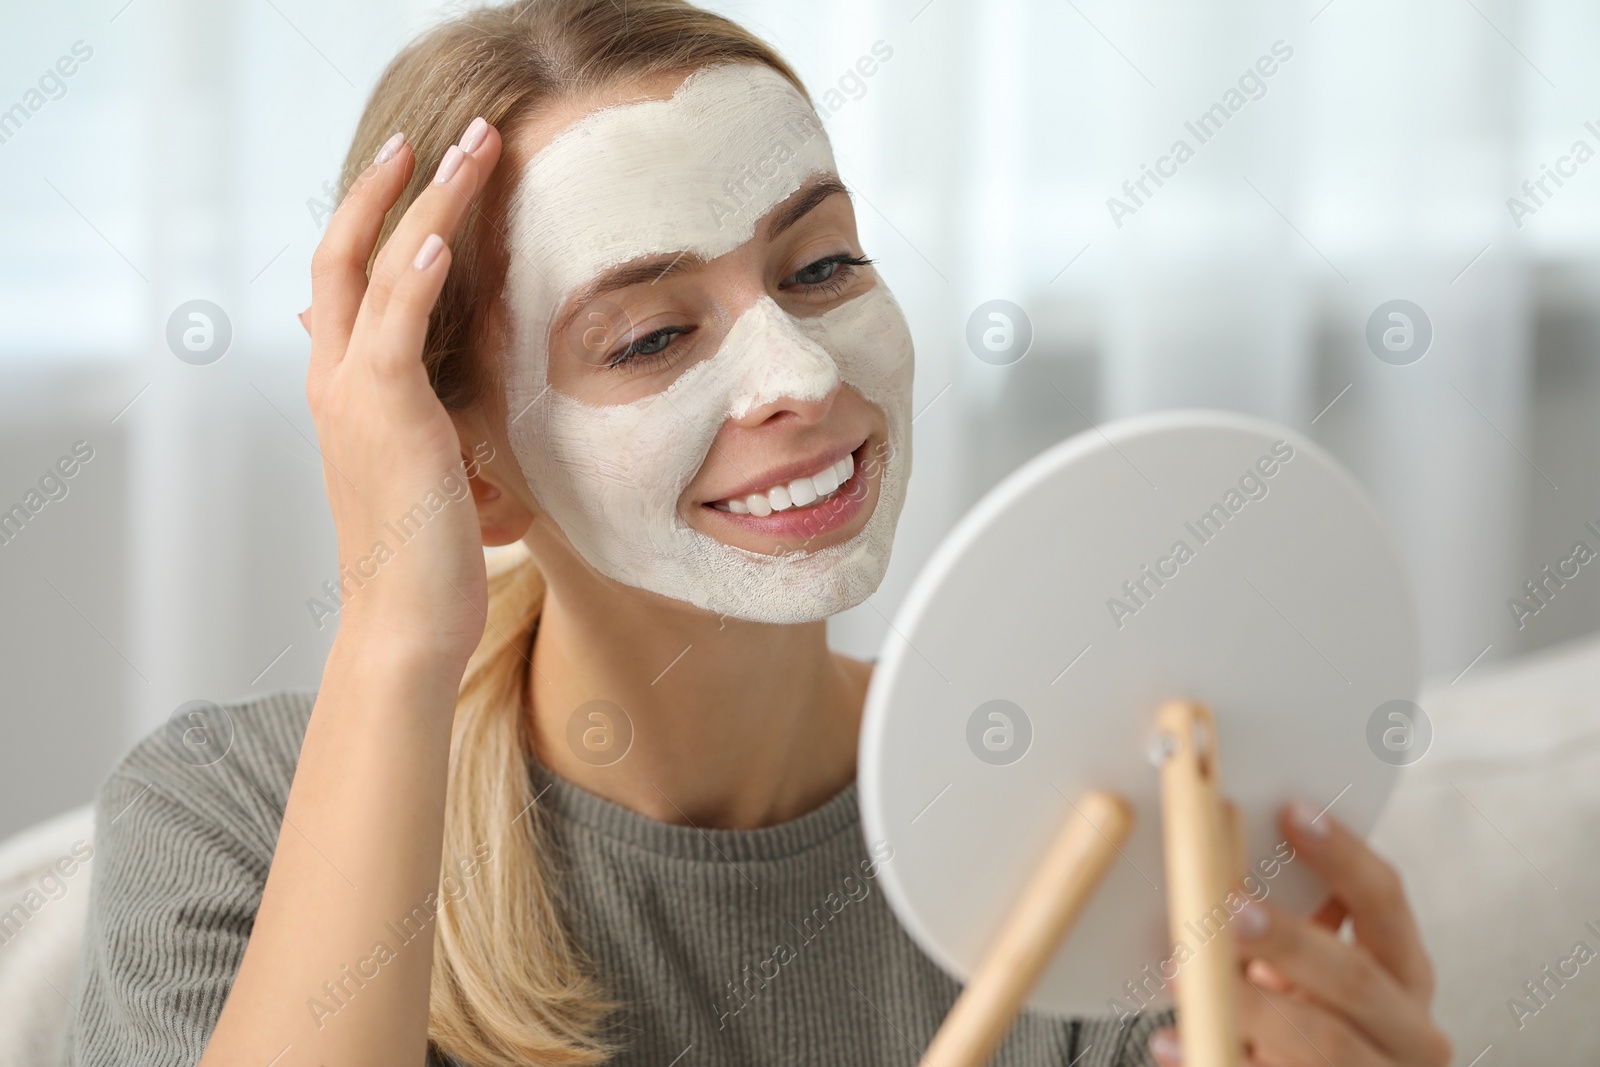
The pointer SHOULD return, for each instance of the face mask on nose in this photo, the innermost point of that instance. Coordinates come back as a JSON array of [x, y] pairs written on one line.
[[694, 173]]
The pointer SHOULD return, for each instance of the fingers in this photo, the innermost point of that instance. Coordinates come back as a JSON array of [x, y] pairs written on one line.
[[405, 326], [1331, 913], [339, 265], [438, 209], [1281, 1031], [1370, 889], [1284, 1031], [1165, 1047], [1311, 998], [1344, 979]]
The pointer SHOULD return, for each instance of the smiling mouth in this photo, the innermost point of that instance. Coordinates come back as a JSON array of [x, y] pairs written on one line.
[[800, 492]]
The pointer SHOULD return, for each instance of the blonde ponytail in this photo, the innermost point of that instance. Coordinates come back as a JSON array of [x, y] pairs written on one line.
[[508, 985], [510, 988]]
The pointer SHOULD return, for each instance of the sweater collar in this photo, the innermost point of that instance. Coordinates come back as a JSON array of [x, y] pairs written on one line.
[[568, 801]]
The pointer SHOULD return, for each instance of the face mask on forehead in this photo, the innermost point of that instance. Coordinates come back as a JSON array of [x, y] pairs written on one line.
[[693, 174]]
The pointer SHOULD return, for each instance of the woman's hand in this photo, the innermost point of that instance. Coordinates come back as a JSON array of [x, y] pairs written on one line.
[[411, 571], [1308, 999]]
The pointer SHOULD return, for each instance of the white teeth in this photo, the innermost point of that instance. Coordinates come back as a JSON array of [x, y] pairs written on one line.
[[797, 494], [802, 491]]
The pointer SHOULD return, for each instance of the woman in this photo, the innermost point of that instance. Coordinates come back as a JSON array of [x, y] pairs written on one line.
[[599, 807]]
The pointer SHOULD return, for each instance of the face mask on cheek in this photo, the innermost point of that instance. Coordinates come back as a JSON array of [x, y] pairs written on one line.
[[612, 476]]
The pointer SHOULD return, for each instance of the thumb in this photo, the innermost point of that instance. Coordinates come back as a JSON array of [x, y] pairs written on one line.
[[305, 320]]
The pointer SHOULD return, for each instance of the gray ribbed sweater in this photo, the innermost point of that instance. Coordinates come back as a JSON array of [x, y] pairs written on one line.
[[735, 947]]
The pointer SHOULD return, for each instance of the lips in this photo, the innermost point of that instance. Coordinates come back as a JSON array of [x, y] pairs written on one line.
[[803, 491], [800, 526]]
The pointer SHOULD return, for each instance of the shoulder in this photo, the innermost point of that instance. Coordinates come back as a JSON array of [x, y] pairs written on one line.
[[227, 766], [185, 827], [257, 737]]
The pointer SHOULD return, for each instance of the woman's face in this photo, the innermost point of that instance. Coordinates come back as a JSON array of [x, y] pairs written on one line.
[[637, 330], [708, 387]]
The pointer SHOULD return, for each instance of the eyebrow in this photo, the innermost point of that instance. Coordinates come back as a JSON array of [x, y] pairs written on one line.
[[822, 189], [643, 271], [655, 268]]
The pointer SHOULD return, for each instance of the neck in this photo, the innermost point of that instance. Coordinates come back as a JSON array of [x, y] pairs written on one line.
[[734, 724]]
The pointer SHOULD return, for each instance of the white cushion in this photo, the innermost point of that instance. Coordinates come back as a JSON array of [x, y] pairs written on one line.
[[42, 917], [1495, 832]]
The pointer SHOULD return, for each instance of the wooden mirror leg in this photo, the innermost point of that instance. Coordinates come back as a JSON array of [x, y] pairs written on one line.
[[1051, 902], [1233, 826], [1201, 859]]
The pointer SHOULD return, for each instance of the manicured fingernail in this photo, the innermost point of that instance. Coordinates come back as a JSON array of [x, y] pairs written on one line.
[[1165, 1045], [428, 252], [390, 147], [449, 164], [1311, 823], [476, 132], [1252, 922]]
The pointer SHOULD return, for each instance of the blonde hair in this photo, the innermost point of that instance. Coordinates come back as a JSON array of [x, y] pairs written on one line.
[[509, 985]]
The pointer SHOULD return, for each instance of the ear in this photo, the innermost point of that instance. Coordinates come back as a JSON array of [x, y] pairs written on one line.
[[499, 492], [502, 518]]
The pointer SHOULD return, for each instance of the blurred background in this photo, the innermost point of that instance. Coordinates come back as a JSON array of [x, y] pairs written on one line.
[[1338, 156]]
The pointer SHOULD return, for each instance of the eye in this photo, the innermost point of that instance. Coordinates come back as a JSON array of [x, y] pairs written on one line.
[[647, 349], [829, 272]]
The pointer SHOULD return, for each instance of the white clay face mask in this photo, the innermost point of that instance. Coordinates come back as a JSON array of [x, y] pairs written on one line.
[[694, 173]]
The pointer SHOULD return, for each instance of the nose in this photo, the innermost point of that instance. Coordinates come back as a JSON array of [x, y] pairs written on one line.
[[782, 370]]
